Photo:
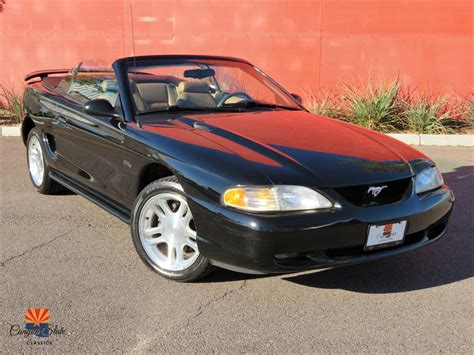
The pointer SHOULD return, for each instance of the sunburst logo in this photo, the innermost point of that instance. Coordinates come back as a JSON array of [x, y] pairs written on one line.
[[37, 319], [387, 230], [37, 316]]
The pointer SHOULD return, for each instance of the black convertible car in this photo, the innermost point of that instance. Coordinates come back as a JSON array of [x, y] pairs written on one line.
[[211, 162]]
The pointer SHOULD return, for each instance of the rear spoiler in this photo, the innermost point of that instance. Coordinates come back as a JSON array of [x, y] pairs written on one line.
[[44, 73]]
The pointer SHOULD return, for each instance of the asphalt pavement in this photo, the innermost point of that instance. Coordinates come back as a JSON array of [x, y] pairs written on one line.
[[68, 255]]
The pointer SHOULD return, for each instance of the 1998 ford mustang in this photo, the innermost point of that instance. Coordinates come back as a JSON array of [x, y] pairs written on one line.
[[211, 162]]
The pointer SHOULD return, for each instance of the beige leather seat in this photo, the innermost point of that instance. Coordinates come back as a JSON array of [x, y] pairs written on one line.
[[157, 95], [194, 94]]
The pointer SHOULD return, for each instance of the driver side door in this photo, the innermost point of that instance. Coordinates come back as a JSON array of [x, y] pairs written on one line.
[[89, 148]]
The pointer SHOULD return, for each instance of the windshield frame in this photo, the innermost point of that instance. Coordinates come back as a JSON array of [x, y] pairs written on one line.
[[123, 67]]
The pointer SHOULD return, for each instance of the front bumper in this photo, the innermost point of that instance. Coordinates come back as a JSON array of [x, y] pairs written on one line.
[[258, 243]]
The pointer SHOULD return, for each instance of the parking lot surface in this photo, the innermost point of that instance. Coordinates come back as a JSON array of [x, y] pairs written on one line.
[[66, 254]]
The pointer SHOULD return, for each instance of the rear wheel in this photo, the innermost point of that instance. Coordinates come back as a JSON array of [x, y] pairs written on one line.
[[37, 165], [164, 232]]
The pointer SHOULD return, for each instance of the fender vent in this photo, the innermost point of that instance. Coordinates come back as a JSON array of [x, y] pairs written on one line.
[[51, 144]]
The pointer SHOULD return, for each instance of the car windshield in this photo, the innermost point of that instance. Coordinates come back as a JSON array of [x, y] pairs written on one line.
[[204, 84]]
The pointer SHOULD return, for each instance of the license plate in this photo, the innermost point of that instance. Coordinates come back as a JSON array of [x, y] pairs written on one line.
[[385, 235]]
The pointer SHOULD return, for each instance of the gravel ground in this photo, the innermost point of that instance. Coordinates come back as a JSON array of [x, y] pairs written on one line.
[[66, 254]]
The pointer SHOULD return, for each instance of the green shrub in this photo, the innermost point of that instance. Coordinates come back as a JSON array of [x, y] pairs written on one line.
[[469, 104], [427, 117], [327, 104], [11, 104], [465, 120], [388, 108], [377, 107]]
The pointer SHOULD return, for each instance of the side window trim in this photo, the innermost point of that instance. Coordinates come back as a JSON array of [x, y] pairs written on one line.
[[118, 106]]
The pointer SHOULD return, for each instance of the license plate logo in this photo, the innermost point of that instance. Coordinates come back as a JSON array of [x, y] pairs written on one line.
[[387, 230], [385, 235]]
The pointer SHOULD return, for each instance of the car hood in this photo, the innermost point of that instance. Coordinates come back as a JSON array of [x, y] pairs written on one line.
[[296, 147]]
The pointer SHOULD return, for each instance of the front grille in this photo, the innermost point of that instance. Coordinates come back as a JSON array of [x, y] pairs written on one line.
[[366, 195]]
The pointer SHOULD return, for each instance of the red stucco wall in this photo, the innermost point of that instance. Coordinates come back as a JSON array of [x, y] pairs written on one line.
[[302, 44]]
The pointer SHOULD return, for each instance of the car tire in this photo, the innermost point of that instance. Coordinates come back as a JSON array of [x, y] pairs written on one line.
[[38, 168], [164, 234]]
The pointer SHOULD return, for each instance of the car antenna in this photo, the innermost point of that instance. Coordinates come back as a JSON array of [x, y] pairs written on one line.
[[137, 120]]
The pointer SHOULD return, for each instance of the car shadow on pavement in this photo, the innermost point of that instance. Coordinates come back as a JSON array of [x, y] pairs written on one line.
[[446, 261], [222, 275]]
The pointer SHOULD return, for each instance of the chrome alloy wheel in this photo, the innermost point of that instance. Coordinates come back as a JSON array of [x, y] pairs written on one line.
[[167, 232], [35, 160]]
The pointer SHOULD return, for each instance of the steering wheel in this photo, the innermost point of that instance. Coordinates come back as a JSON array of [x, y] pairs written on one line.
[[228, 96]]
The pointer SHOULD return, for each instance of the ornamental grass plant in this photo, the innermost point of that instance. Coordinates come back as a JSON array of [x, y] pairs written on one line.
[[388, 108], [11, 104]]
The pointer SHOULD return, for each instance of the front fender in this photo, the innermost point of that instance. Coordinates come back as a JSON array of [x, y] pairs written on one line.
[[202, 166]]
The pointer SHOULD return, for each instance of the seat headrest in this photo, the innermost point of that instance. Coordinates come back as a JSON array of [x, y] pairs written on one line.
[[193, 86], [109, 86]]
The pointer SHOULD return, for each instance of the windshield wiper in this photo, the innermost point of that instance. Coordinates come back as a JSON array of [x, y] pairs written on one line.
[[237, 105], [252, 104]]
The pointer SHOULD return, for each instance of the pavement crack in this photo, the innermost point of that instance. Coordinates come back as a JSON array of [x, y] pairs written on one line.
[[3, 263], [204, 306], [143, 344]]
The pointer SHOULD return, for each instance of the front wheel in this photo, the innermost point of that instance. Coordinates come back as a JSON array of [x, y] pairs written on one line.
[[164, 233], [37, 165]]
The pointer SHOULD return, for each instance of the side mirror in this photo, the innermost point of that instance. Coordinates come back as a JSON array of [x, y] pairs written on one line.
[[100, 107], [297, 98]]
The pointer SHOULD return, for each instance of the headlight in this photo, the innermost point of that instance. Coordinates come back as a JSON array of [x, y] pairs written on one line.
[[428, 179], [275, 198]]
